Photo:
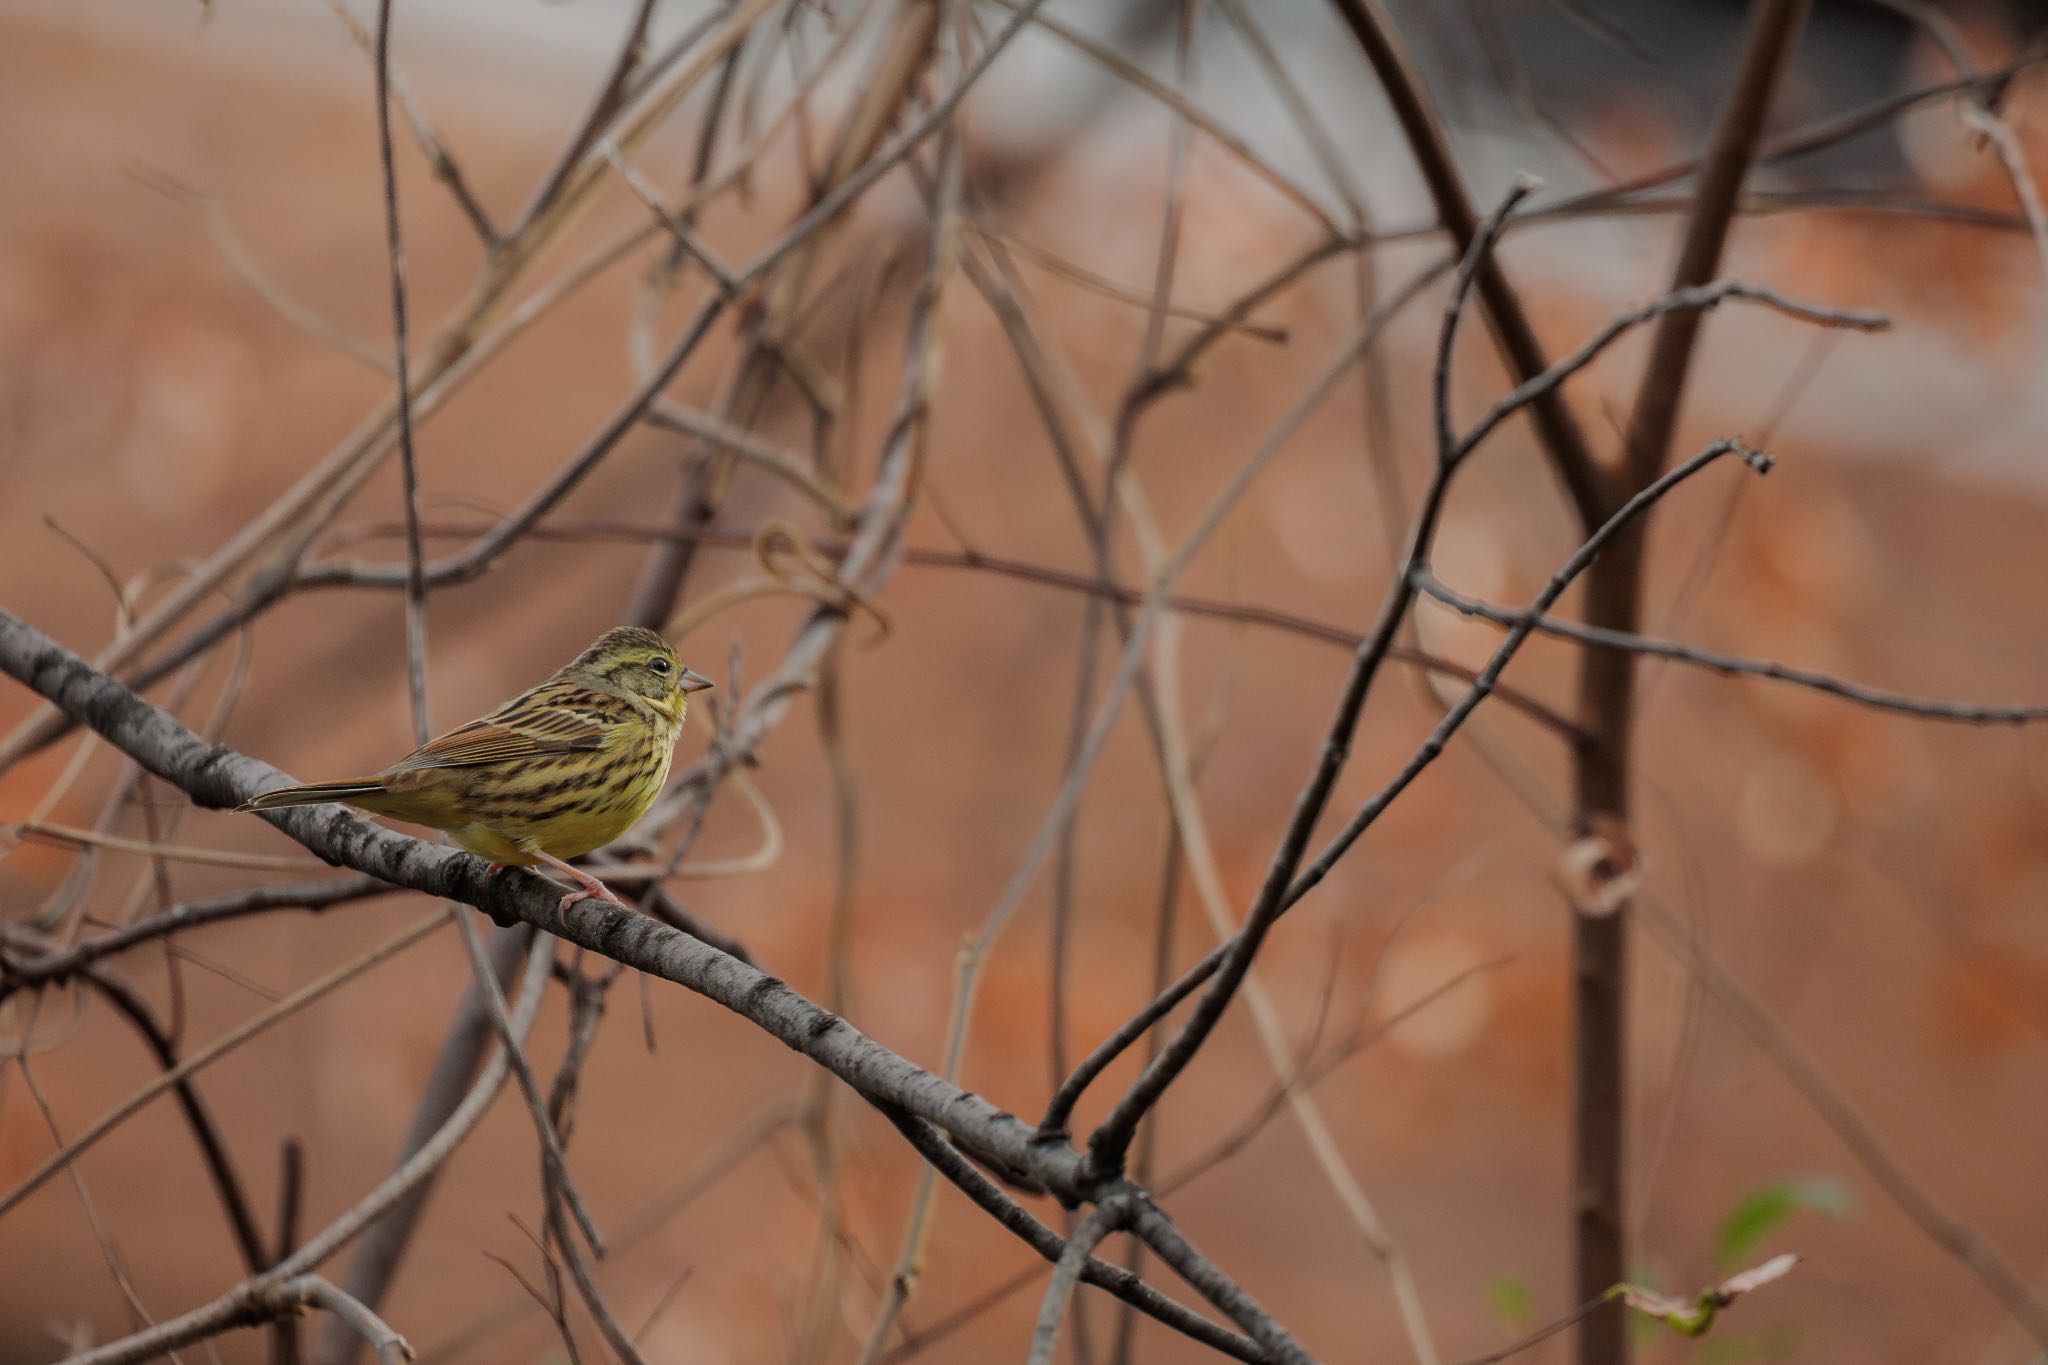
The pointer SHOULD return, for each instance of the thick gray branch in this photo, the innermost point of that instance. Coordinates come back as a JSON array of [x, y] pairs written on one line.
[[217, 776]]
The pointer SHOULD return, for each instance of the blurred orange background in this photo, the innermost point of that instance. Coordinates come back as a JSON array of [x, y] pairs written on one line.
[[1881, 883]]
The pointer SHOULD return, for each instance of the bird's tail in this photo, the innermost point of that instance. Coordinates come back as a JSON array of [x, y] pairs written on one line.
[[314, 793]]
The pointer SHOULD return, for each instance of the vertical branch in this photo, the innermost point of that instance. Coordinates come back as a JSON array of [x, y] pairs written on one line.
[[212, 1145], [1100, 528], [610, 97], [1109, 1144], [668, 564], [903, 452], [1109, 1216], [1564, 441], [822, 1319], [415, 580], [1606, 695], [291, 1195], [1606, 680], [1148, 1137], [1158, 697], [1729, 156], [116, 1262], [269, 1295], [375, 1262], [554, 1162]]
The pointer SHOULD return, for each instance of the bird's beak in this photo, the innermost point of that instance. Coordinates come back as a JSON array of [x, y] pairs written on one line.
[[693, 681]]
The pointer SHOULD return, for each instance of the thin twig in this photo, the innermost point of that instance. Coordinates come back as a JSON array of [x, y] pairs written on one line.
[[1051, 1245], [1112, 1138], [59, 964], [1311, 1073], [1108, 288], [611, 96], [1967, 713], [1564, 441], [212, 1052], [822, 1124], [1109, 1216], [1183, 108], [445, 168], [291, 1196], [1601, 776], [374, 1264], [586, 1010], [227, 1182], [408, 459], [1943, 1228], [1541, 1334], [1695, 299], [1114, 1133], [1198, 1270], [138, 1313], [391, 1348], [1144, 1166], [706, 1170], [256, 1300], [208, 857], [907, 442], [552, 1156], [978, 561]]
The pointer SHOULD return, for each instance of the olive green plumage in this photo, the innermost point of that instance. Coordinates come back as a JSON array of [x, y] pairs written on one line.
[[552, 774]]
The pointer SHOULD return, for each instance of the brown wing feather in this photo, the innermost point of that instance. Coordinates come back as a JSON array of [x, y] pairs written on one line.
[[508, 734]]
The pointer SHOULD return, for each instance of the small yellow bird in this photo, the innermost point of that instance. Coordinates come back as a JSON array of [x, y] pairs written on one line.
[[552, 774]]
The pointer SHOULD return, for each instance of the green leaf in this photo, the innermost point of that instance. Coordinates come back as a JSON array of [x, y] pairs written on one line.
[[1511, 1300], [1760, 1212], [1695, 1316]]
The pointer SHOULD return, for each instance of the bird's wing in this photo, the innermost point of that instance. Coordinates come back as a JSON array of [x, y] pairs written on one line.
[[531, 732]]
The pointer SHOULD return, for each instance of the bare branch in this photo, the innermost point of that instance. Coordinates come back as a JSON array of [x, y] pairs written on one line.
[[259, 1301], [226, 1043], [1051, 1245], [1110, 1140], [1564, 441], [1111, 1215], [267, 1296], [391, 1348], [553, 1159], [217, 776], [374, 1265], [58, 965], [1198, 1270], [1601, 777], [227, 1183], [408, 459], [1967, 713], [1943, 1228], [1694, 299]]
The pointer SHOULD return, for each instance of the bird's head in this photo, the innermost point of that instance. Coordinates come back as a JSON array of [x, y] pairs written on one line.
[[637, 662]]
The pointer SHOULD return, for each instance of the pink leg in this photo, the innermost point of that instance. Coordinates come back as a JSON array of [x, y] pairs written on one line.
[[593, 889]]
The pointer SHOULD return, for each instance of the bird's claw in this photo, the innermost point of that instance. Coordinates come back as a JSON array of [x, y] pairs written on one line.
[[595, 890]]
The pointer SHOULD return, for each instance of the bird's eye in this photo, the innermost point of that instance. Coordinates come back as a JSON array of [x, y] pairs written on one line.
[[660, 666]]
